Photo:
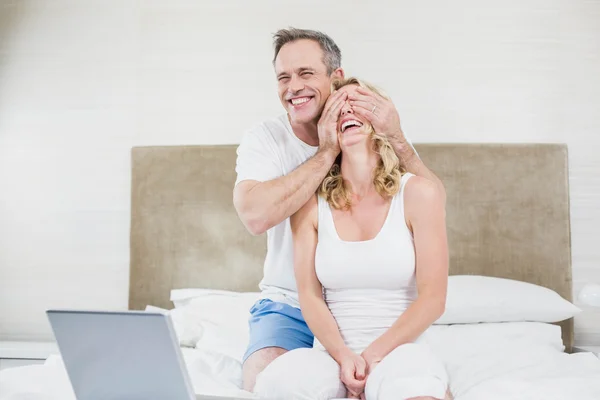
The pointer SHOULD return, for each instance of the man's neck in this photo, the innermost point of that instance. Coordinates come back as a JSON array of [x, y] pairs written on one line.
[[307, 132]]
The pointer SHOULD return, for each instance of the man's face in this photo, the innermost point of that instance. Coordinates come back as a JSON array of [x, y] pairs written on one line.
[[303, 82]]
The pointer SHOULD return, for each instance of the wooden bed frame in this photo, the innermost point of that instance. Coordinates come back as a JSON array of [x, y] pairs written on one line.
[[507, 216]]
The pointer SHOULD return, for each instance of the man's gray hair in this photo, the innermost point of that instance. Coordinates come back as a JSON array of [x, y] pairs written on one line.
[[332, 56]]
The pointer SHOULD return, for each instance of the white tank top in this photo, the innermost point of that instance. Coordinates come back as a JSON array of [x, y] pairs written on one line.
[[367, 284]]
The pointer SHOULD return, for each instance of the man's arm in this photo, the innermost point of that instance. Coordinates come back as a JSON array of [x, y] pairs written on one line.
[[262, 205], [413, 164]]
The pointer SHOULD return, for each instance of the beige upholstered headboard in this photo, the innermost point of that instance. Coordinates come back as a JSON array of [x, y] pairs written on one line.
[[507, 216]]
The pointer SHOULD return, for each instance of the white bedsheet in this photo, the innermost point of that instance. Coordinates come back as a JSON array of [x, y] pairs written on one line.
[[513, 361], [211, 373], [532, 377]]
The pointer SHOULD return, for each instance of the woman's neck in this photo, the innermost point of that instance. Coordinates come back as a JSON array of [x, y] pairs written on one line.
[[358, 164]]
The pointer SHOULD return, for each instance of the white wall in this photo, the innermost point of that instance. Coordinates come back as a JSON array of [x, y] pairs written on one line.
[[81, 82]]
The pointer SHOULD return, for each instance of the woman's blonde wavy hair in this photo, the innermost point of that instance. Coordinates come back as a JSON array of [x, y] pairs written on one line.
[[386, 175]]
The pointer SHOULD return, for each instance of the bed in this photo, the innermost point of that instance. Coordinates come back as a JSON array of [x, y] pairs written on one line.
[[508, 220]]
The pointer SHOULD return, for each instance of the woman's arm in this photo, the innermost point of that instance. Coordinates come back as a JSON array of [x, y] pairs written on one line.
[[425, 213], [310, 291]]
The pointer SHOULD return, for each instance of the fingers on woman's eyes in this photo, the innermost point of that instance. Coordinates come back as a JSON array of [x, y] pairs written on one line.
[[368, 93], [361, 112], [358, 104], [361, 97], [331, 100], [340, 95], [337, 107], [365, 91], [341, 102], [333, 97]]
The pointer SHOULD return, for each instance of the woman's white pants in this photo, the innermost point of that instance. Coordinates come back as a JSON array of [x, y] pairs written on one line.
[[411, 370]]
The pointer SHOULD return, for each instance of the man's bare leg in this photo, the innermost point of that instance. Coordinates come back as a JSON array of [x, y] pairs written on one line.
[[256, 363]]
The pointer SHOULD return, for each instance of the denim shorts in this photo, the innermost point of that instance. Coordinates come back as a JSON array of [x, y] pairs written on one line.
[[274, 324]]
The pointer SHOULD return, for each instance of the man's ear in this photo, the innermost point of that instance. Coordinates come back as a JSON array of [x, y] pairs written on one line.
[[338, 73]]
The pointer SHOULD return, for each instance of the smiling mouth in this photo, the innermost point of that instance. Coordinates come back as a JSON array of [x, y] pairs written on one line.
[[299, 101], [352, 123]]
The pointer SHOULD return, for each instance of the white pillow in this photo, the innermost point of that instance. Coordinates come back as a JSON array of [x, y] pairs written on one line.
[[209, 319], [187, 328], [225, 311], [221, 315], [209, 328], [474, 299], [182, 297]]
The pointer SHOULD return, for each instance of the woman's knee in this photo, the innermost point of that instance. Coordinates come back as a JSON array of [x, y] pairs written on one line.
[[416, 359], [300, 374], [411, 371]]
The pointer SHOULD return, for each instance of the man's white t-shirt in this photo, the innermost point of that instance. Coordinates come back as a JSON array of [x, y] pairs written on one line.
[[268, 151]]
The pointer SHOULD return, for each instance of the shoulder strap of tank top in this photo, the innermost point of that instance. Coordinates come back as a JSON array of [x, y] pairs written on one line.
[[404, 179], [400, 195]]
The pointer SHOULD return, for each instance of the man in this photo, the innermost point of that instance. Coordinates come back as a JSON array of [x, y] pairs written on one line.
[[280, 164]]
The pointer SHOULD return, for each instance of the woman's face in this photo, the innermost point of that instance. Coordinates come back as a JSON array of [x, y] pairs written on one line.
[[351, 128]]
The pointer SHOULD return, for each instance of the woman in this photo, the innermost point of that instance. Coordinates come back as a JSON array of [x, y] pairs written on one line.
[[371, 264]]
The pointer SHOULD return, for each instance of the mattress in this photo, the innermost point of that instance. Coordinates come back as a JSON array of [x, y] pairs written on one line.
[[492, 361]]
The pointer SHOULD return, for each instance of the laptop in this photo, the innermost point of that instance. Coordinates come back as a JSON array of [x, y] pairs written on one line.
[[127, 355]]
